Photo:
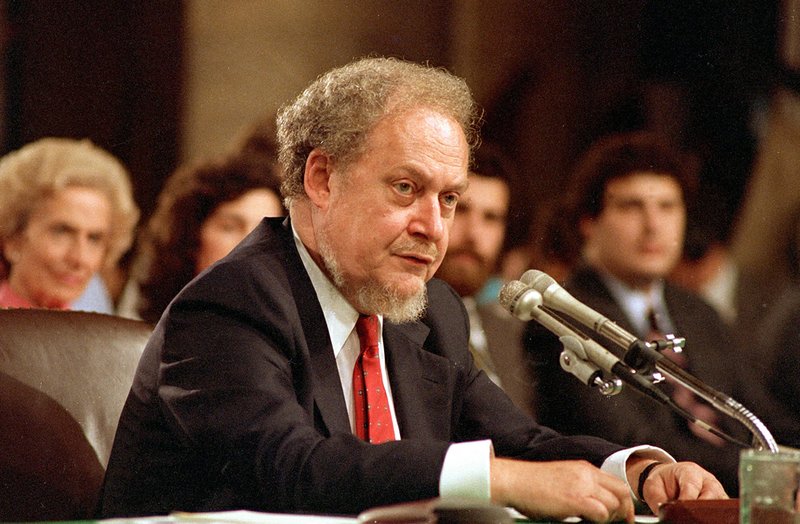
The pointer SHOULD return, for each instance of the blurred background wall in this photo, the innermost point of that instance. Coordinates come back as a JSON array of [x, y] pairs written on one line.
[[160, 82]]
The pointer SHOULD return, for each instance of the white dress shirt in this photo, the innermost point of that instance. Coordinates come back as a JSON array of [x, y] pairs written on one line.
[[637, 304]]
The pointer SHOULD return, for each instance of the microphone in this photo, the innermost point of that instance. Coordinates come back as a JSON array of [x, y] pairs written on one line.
[[556, 297], [525, 303], [638, 353], [520, 300]]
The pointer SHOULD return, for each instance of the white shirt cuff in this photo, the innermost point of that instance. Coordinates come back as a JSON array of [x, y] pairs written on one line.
[[466, 470], [616, 462]]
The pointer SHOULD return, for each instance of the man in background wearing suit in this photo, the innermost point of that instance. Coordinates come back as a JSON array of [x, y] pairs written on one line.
[[473, 252], [627, 199], [250, 393]]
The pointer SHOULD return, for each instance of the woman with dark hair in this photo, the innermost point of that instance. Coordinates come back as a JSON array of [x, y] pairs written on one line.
[[202, 213]]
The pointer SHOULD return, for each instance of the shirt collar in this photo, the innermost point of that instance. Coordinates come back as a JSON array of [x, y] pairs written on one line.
[[340, 316], [635, 303]]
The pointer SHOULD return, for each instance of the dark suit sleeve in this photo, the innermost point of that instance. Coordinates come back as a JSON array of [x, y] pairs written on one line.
[[775, 345], [783, 380]]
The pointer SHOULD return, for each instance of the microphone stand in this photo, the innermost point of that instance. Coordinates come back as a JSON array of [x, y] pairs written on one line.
[[718, 400], [644, 357], [582, 356], [585, 358], [638, 362]]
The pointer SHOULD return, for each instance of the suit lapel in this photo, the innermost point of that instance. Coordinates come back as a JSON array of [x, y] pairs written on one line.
[[327, 386], [426, 378], [590, 289], [324, 387]]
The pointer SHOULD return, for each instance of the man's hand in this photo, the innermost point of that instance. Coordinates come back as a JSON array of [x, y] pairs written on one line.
[[560, 489], [675, 481]]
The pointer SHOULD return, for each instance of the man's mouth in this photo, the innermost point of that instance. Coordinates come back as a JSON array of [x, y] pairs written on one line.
[[416, 258]]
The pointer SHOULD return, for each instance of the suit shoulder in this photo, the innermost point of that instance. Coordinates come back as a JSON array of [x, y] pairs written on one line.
[[445, 309], [441, 295], [261, 270], [677, 296]]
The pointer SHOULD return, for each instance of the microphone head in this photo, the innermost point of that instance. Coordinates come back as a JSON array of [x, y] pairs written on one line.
[[538, 280], [510, 292], [519, 299]]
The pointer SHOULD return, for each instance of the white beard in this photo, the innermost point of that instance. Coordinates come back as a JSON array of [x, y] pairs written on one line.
[[372, 297]]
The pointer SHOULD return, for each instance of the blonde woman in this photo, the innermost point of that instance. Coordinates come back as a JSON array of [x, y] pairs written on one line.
[[66, 211]]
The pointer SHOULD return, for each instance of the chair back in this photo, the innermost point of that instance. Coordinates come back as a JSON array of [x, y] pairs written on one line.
[[64, 377]]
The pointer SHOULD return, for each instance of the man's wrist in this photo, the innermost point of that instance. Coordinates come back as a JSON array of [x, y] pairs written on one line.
[[643, 477], [627, 463]]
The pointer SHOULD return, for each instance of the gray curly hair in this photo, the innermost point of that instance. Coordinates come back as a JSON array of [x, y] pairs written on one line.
[[339, 109]]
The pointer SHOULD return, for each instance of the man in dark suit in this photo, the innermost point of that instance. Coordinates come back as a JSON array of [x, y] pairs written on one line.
[[249, 394], [627, 199]]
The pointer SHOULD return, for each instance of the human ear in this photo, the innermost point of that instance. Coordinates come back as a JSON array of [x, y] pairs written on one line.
[[316, 178], [11, 249]]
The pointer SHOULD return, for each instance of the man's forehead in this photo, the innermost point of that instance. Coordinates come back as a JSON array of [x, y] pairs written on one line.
[[485, 188], [642, 183]]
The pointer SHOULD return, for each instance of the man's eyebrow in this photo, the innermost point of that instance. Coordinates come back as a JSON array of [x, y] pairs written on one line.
[[63, 224], [617, 196], [462, 187]]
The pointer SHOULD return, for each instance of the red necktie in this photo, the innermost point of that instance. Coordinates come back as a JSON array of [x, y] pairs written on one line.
[[681, 395], [371, 405]]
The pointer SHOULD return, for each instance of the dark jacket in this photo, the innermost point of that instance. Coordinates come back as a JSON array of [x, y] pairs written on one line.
[[237, 403]]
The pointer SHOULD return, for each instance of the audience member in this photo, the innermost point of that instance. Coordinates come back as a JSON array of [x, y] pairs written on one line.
[[476, 240], [776, 347], [709, 269], [251, 391], [203, 212], [777, 341], [627, 198], [66, 210]]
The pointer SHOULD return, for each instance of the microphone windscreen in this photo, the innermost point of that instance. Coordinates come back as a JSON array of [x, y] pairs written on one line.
[[538, 280], [510, 293]]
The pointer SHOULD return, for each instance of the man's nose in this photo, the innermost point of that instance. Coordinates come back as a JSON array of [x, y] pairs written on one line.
[[652, 217], [428, 220]]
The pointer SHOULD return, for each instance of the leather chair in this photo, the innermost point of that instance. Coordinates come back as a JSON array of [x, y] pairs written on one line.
[[64, 377]]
